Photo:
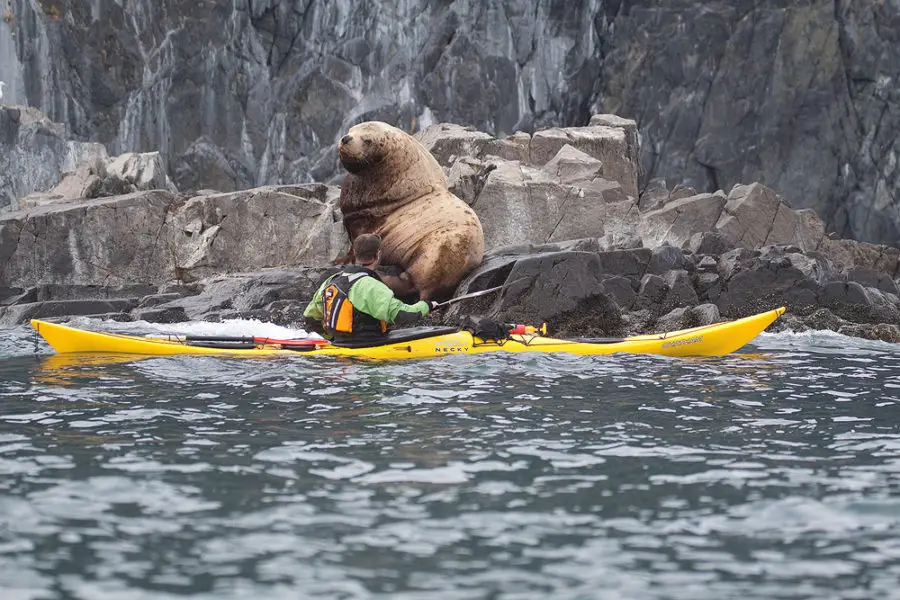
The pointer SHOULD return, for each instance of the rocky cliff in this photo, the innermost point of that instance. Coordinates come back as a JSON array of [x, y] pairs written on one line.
[[800, 95], [561, 216]]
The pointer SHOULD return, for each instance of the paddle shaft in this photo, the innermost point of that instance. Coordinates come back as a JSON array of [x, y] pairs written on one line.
[[245, 340], [476, 294]]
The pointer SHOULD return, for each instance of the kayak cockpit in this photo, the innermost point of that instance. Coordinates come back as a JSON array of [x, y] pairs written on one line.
[[407, 334]]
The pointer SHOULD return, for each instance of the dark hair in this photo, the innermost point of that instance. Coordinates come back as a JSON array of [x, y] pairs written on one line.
[[366, 247]]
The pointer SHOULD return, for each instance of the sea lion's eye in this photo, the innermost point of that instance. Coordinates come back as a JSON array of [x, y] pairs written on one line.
[[367, 142]]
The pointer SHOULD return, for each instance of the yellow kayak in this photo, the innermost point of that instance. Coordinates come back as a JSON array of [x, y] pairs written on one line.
[[417, 342]]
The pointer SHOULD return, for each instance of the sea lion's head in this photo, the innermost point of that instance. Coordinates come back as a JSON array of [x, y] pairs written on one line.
[[366, 145]]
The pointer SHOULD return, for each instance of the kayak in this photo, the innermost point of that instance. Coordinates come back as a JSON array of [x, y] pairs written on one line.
[[415, 342]]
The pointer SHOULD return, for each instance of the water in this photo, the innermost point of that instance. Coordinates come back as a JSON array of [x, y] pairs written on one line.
[[772, 473]]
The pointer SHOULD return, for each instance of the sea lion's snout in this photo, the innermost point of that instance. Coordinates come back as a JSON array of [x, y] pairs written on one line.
[[346, 139]]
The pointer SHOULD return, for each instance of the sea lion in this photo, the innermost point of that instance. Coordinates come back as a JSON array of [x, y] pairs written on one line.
[[394, 187]]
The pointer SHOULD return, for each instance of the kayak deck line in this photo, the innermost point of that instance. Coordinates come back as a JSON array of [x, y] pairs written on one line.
[[706, 340]]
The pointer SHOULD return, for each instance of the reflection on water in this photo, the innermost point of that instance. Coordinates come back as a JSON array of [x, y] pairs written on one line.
[[767, 474]]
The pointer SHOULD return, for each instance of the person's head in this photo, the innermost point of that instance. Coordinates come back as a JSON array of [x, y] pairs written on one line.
[[367, 250]]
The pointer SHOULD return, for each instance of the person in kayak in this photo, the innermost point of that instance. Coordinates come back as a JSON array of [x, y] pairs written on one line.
[[356, 305]]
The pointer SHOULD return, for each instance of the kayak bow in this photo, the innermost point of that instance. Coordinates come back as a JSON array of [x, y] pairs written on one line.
[[709, 340]]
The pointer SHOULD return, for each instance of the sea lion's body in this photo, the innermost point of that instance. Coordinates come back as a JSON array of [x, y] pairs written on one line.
[[395, 188]]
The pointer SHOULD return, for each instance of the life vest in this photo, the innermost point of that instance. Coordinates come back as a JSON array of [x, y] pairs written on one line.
[[339, 318]]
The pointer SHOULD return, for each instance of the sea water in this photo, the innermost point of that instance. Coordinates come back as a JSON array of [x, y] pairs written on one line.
[[770, 473]]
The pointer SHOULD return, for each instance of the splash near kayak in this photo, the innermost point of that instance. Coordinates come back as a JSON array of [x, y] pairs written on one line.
[[417, 342]]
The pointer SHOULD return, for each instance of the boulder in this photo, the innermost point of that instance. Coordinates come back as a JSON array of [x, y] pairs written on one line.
[[572, 166], [748, 215], [678, 220], [253, 229], [135, 171], [466, 178], [21, 313], [686, 317], [33, 153], [615, 146], [154, 237], [521, 204], [654, 195], [607, 149]]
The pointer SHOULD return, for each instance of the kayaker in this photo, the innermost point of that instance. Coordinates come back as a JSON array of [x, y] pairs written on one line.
[[356, 305]]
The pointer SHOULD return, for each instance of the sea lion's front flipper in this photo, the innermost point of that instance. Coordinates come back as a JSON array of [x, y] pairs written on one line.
[[400, 283]]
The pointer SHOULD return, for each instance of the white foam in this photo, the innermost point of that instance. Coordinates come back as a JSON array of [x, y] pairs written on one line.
[[228, 327]]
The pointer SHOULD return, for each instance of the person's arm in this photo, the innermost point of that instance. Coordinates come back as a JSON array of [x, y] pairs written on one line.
[[314, 308], [377, 300]]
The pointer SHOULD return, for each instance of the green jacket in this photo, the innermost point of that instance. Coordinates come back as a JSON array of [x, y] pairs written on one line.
[[373, 297]]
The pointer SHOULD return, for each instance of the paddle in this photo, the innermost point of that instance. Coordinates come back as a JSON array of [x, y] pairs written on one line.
[[478, 293], [225, 341]]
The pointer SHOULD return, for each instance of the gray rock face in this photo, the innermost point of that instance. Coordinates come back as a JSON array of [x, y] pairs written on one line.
[[237, 94], [101, 177], [33, 153], [154, 237]]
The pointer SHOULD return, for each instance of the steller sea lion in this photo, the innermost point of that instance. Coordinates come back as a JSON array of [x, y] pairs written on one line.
[[394, 187]]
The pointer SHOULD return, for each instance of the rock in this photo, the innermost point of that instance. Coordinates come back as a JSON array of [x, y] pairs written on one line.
[[33, 153], [823, 318], [850, 254], [253, 229], [614, 146], [620, 290], [681, 290], [572, 166], [705, 314], [152, 300], [859, 304], [573, 155], [753, 281], [567, 290], [98, 242], [522, 205], [803, 228], [138, 171], [652, 293], [85, 181], [466, 178], [677, 318], [687, 317], [449, 142], [172, 314], [22, 313], [708, 242], [748, 214], [576, 245], [872, 278], [681, 191], [153, 237], [665, 258], [631, 264], [708, 286], [885, 332], [680, 219], [708, 264], [654, 195], [243, 294]]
